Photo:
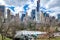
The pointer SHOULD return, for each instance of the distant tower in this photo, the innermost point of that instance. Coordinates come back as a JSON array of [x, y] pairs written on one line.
[[42, 18], [38, 5], [8, 15], [2, 12], [58, 17], [17, 19], [33, 14], [46, 14], [17, 15], [12, 16], [38, 12], [23, 15]]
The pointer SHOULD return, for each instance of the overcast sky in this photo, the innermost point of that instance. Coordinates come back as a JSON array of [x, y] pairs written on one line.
[[53, 5]]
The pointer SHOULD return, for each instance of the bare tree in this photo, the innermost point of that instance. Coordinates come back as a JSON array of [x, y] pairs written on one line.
[[1, 27]]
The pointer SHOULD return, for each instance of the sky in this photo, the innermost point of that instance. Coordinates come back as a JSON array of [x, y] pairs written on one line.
[[53, 5], [19, 5], [50, 6]]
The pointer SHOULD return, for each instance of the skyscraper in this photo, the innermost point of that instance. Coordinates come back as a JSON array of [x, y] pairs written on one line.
[[33, 14], [17, 15], [58, 16], [8, 15], [17, 19], [23, 15], [12, 16], [38, 5], [2, 12], [42, 17], [46, 15], [38, 12]]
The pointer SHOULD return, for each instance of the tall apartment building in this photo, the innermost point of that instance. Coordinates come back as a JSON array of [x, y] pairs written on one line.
[[38, 12], [58, 16], [42, 18], [2, 12], [22, 15], [17, 19], [8, 15], [27, 18], [33, 14]]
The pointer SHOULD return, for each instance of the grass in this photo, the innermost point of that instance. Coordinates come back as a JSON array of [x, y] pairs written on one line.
[[57, 38], [5, 38]]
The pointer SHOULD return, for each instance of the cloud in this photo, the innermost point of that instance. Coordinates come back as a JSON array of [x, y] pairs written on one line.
[[56, 9], [53, 5], [18, 9], [16, 2], [15, 5], [43, 2], [20, 3], [2, 2]]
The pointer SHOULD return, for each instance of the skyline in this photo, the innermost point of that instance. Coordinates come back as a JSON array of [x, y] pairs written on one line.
[[47, 4]]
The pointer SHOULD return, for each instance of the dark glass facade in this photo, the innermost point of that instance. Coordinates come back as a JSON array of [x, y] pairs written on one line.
[[2, 10], [33, 14], [38, 5], [22, 17], [59, 16]]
